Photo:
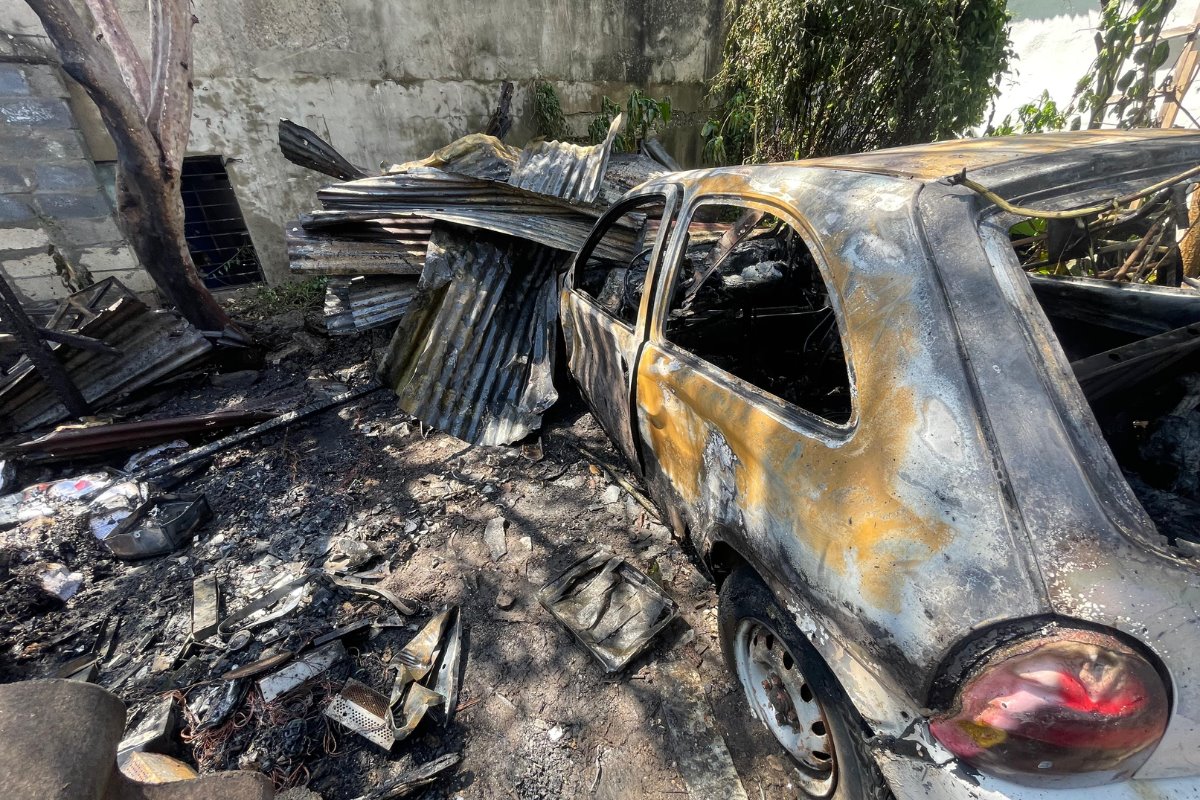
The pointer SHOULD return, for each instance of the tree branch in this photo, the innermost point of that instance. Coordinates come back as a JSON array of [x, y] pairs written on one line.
[[130, 64], [171, 83]]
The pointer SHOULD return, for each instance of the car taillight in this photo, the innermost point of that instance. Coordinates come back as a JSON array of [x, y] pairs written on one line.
[[1072, 708]]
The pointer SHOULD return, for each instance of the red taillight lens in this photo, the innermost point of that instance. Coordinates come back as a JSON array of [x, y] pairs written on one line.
[[1074, 708]]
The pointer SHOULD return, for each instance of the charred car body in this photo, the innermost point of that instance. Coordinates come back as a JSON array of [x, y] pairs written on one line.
[[946, 570]]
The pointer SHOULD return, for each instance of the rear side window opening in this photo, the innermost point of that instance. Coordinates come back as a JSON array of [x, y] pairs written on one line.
[[1108, 288], [749, 298]]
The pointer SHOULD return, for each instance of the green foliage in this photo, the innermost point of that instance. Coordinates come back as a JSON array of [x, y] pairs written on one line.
[[804, 78], [548, 119], [643, 115], [1038, 117], [271, 300], [1129, 48]]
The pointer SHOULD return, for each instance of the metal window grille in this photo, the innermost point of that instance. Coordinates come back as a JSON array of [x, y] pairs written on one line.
[[213, 225]]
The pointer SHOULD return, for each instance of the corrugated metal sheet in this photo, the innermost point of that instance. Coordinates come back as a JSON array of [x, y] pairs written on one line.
[[565, 170], [359, 304], [301, 146], [490, 205], [153, 343], [474, 355], [369, 247], [476, 155]]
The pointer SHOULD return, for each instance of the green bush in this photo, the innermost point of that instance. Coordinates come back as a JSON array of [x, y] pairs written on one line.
[[803, 78]]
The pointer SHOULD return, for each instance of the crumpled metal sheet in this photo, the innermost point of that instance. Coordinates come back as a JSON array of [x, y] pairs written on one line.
[[303, 147], [477, 155], [565, 170], [474, 355], [365, 302], [430, 193], [154, 343], [361, 247]]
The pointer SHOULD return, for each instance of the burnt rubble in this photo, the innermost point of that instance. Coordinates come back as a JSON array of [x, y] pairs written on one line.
[[261, 608], [465, 248]]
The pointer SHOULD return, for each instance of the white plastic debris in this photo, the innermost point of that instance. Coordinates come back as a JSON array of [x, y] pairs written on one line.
[[494, 538], [8, 474], [113, 505], [301, 671], [46, 499], [60, 581]]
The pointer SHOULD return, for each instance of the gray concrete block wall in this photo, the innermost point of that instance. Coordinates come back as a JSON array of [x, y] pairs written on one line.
[[393, 80], [50, 193]]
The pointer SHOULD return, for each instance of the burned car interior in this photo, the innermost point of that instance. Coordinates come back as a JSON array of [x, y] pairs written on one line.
[[1134, 348], [747, 297]]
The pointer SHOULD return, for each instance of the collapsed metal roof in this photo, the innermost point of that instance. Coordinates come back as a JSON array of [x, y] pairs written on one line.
[[473, 353], [474, 356], [154, 343]]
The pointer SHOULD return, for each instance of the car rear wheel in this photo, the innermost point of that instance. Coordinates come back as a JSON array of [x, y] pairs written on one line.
[[792, 692]]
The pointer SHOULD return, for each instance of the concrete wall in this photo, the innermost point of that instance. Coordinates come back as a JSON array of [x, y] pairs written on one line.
[[1053, 42], [50, 196], [392, 80]]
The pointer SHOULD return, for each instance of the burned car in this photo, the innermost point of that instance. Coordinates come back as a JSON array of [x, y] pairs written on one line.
[[951, 503]]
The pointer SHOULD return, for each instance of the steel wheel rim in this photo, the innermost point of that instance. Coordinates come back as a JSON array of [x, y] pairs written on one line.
[[781, 698]]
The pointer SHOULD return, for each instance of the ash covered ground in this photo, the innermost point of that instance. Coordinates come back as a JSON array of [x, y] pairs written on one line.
[[537, 716]]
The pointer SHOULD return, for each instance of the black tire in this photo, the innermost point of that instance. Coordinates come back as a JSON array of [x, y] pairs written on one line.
[[744, 597]]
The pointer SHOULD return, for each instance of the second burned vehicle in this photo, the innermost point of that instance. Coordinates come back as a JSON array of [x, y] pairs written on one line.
[[951, 503]]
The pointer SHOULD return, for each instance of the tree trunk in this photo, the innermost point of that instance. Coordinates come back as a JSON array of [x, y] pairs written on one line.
[[151, 209], [150, 139]]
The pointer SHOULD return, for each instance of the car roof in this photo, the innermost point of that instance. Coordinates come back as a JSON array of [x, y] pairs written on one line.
[[1012, 165], [939, 160]]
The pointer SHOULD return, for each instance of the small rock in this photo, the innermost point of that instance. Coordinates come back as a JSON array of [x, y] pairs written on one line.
[[505, 600], [495, 539], [612, 494], [556, 734]]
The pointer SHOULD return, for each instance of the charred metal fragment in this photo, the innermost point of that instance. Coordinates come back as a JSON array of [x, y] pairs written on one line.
[[612, 608], [303, 147], [125, 436], [474, 355]]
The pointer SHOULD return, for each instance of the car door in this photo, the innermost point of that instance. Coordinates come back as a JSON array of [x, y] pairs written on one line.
[[604, 306], [743, 368]]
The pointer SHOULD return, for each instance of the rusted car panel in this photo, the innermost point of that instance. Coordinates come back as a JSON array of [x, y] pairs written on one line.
[[971, 489]]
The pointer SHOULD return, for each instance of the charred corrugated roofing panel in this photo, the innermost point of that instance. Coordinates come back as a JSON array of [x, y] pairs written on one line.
[[474, 355], [565, 170], [370, 247], [359, 304], [430, 193], [153, 345]]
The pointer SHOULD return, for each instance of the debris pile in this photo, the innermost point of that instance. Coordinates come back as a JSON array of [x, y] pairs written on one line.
[[465, 248], [144, 346]]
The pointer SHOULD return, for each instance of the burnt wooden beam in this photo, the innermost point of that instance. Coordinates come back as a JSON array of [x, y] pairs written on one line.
[[51, 370]]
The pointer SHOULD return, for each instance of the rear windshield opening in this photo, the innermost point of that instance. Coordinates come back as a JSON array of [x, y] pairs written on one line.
[[1133, 340]]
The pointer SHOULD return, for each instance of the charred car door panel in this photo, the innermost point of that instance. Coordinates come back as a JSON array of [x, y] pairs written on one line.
[[602, 304]]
